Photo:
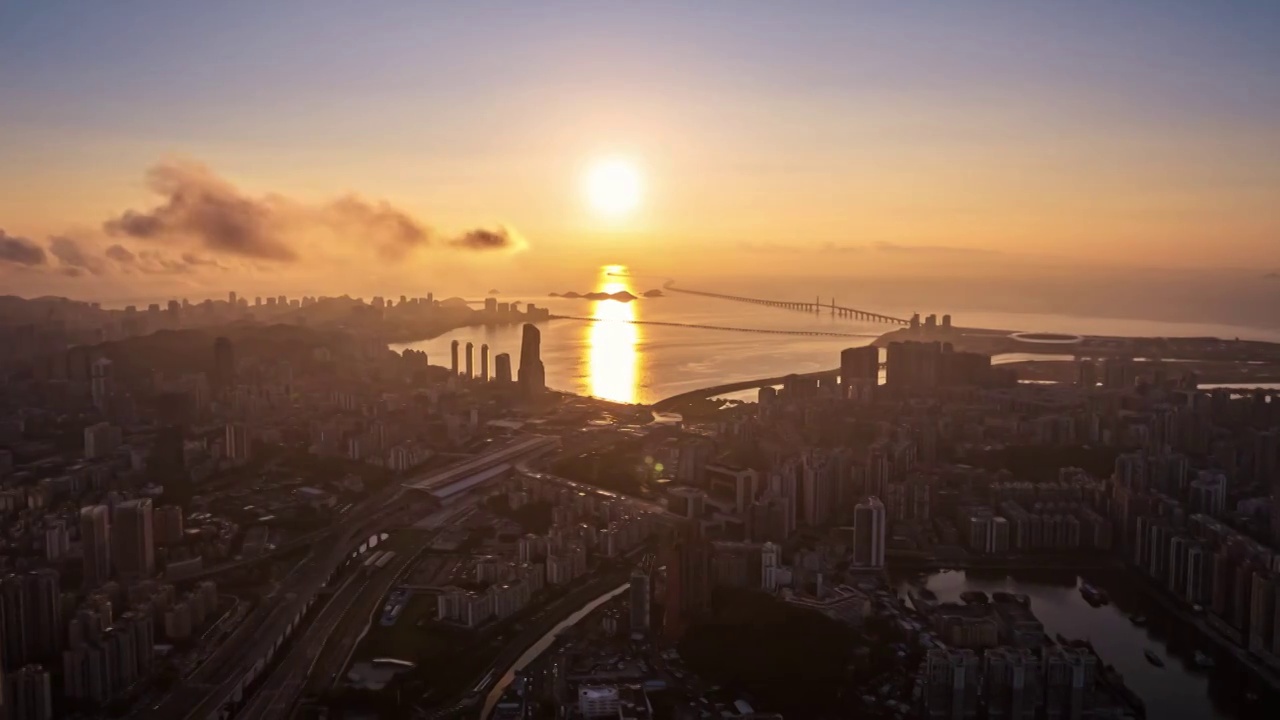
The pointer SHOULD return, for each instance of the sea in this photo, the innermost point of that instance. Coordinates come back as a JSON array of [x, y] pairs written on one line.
[[617, 355]]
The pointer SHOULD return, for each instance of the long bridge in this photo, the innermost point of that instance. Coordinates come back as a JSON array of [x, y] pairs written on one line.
[[767, 331], [816, 306]]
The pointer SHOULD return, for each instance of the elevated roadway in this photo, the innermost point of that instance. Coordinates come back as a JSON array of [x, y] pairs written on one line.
[[674, 401], [803, 306], [223, 682]]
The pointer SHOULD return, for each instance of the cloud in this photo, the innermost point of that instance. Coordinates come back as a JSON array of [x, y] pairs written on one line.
[[200, 206], [399, 232], [484, 240], [1271, 276], [20, 251], [891, 247], [69, 254], [203, 210], [120, 254]]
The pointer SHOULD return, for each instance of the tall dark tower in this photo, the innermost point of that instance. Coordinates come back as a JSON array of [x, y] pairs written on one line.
[[453, 348], [224, 365], [484, 362], [470, 361], [533, 377], [502, 368]]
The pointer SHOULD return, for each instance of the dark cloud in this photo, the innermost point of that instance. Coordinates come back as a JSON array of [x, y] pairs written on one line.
[[69, 254], [482, 239], [20, 251], [194, 260], [399, 233], [120, 254], [199, 207], [69, 271], [1272, 276], [891, 247]]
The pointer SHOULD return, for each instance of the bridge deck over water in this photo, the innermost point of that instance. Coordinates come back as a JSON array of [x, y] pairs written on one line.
[[814, 307]]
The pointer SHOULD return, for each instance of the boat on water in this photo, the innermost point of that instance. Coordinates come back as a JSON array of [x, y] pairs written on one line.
[[1094, 596], [1153, 658], [1203, 660], [1138, 620]]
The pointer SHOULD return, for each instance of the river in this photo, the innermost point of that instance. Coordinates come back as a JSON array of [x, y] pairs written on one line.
[[1178, 690], [541, 646], [618, 360]]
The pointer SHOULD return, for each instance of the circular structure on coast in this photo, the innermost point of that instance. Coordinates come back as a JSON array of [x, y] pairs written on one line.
[[1044, 338]]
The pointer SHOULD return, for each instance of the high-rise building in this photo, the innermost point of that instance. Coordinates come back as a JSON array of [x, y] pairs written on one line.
[[101, 439], [133, 540], [32, 694], [236, 442], [453, 354], [100, 383], [95, 538], [43, 612], [484, 362], [470, 361], [533, 377], [869, 534], [224, 365], [860, 364], [15, 647], [167, 521], [502, 368], [688, 589], [951, 684], [1011, 679], [167, 465], [639, 597]]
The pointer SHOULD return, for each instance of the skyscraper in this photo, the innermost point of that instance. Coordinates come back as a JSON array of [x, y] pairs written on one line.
[[453, 351], [533, 377], [96, 540], [32, 696], [859, 364], [100, 383], [224, 365], [502, 368], [470, 359], [133, 540], [43, 613], [869, 531], [13, 622], [236, 442], [484, 362], [688, 589], [100, 439], [639, 597]]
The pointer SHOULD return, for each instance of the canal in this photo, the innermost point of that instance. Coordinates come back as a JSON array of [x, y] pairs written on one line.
[[1179, 690], [541, 646]]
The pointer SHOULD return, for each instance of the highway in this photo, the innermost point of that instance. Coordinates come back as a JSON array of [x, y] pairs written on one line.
[[672, 402], [221, 679], [310, 655]]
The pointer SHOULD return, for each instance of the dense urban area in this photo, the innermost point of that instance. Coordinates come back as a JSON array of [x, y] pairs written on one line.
[[254, 509]]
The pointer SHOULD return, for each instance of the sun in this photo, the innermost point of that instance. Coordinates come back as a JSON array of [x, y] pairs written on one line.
[[613, 187]]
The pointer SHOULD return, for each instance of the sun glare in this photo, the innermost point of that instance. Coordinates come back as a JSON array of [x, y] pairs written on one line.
[[613, 187]]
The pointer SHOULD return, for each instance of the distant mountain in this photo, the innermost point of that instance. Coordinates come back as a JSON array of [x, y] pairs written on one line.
[[653, 293], [620, 296]]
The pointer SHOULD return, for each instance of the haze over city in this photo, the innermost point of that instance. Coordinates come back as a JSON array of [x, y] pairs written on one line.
[[883, 139]]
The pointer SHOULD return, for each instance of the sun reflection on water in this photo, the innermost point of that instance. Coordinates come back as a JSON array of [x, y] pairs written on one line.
[[612, 341]]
